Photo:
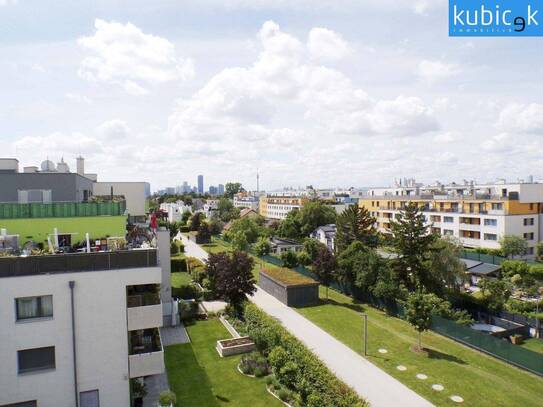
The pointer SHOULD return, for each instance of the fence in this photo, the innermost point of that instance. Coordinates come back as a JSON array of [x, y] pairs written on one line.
[[61, 209], [498, 348], [482, 257]]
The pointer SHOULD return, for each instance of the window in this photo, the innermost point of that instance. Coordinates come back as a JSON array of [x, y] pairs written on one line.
[[448, 232], [491, 222], [34, 307], [89, 399], [529, 236], [491, 236], [497, 206], [30, 360], [530, 250], [448, 219], [528, 221]]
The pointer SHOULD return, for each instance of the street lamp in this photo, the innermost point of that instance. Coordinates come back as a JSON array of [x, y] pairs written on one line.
[[365, 334], [538, 299]]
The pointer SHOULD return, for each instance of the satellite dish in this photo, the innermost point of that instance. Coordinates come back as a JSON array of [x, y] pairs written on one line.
[[48, 166]]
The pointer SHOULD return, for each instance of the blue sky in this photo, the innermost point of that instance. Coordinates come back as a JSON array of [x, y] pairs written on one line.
[[328, 93]]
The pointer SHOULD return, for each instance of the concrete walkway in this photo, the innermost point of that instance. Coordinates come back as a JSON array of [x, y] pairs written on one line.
[[174, 335], [370, 382]]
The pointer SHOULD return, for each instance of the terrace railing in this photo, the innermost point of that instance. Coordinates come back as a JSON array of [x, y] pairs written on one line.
[[77, 262], [61, 209]]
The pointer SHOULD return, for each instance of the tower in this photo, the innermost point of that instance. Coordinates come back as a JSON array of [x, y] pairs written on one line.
[[200, 184], [257, 181], [80, 165]]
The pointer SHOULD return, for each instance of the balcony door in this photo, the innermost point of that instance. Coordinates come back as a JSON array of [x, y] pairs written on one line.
[[89, 399]]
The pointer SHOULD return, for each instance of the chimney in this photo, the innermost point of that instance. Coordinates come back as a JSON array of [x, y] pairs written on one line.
[[80, 165]]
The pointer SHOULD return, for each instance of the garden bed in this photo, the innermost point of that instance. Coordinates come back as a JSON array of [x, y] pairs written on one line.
[[289, 287], [235, 346]]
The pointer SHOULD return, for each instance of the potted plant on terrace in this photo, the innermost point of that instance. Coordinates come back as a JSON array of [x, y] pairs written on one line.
[[167, 399]]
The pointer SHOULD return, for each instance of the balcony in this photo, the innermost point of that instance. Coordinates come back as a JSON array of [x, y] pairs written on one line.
[[144, 309], [146, 356], [469, 226]]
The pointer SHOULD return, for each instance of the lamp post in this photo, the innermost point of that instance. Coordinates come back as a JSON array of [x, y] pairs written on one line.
[[540, 292], [365, 334]]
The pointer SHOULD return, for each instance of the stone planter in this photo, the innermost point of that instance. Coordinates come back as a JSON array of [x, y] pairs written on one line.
[[235, 346]]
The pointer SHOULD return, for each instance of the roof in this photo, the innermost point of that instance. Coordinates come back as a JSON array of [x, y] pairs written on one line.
[[284, 242], [480, 268], [331, 228], [287, 276], [247, 212]]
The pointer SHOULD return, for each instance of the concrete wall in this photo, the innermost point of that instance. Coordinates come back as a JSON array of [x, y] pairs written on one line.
[[101, 332], [134, 192], [68, 187], [149, 316], [37, 229], [292, 296]]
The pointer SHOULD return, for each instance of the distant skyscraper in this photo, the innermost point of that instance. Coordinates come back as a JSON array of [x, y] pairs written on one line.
[[221, 189], [212, 190], [200, 184]]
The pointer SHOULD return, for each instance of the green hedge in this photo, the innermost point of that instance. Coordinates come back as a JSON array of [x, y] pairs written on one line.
[[178, 264], [186, 292], [295, 366]]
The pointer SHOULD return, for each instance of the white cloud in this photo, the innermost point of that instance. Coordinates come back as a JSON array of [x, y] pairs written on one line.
[[327, 44], [8, 2], [435, 71], [445, 138], [76, 97], [125, 55], [113, 130], [422, 7], [502, 142], [522, 118]]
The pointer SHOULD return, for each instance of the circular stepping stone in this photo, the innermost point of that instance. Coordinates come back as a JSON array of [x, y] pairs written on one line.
[[437, 387], [401, 368], [457, 399], [421, 376], [383, 350]]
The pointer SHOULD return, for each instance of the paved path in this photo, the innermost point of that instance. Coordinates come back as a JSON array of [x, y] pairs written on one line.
[[370, 382], [174, 335], [192, 249]]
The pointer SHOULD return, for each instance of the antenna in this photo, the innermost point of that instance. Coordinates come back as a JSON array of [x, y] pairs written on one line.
[[257, 181]]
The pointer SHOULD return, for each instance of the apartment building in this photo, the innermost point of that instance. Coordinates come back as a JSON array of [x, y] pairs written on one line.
[[478, 215], [77, 327], [278, 205], [243, 200], [175, 210]]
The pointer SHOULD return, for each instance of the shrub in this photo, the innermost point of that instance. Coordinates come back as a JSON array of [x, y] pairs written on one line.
[[283, 394], [174, 249], [290, 259], [178, 264], [184, 229], [270, 380], [296, 364], [245, 368], [186, 292], [259, 372], [167, 398]]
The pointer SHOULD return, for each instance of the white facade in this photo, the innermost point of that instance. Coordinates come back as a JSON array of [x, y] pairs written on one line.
[[134, 193], [250, 202], [101, 331], [175, 210]]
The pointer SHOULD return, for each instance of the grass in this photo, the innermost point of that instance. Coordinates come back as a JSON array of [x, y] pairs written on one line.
[[199, 377], [180, 278], [480, 379], [533, 344], [288, 277]]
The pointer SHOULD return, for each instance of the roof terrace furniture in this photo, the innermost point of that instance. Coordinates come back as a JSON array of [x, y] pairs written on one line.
[[289, 287]]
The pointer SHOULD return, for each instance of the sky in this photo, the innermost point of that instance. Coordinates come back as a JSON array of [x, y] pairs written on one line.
[[311, 92]]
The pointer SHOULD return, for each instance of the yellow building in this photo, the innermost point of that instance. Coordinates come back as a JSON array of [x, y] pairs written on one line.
[[278, 206]]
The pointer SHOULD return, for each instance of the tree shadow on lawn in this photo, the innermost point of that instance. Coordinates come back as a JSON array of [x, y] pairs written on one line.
[[435, 354], [356, 306]]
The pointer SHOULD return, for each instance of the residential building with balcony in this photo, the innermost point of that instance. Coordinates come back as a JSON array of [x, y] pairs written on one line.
[[243, 200], [175, 210], [478, 215], [278, 205], [75, 328]]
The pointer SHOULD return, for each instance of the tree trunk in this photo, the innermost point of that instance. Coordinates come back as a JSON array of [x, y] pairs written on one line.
[[420, 340], [326, 293]]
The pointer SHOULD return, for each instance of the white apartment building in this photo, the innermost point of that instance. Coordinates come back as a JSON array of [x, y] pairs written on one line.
[[135, 194], [79, 327], [242, 201], [478, 215], [277, 206], [175, 210]]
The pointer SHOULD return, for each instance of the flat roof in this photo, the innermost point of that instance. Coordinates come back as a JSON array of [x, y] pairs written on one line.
[[287, 276], [480, 268]]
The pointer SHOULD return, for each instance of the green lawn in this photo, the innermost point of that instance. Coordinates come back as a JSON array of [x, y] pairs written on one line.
[[199, 377], [481, 380], [180, 278], [533, 344]]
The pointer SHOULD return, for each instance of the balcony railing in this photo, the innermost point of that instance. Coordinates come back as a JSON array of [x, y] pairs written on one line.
[[147, 356], [142, 300], [77, 262], [61, 209]]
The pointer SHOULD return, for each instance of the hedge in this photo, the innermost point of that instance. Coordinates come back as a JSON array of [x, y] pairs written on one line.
[[178, 264], [295, 366], [186, 292]]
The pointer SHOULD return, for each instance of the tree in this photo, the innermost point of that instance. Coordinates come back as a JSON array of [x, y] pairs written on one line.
[[314, 214], [419, 313], [412, 242], [539, 251], [312, 247], [234, 279], [204, 232], [249, 227], [196, 220], [359, 265], [290, 226], [355, 224], [226, 210], [262, 247], [215, 227], [513, 245], [324, 267], [239, 241], [495, 293], [185, 217], [289, 258], [232, 188], [444, 266]]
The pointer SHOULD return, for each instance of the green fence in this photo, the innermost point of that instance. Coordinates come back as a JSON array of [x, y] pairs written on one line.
[[61, 209], [482, 257], [498, 348]]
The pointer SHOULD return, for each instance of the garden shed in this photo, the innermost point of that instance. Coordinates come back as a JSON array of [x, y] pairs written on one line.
[[289, 287]]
